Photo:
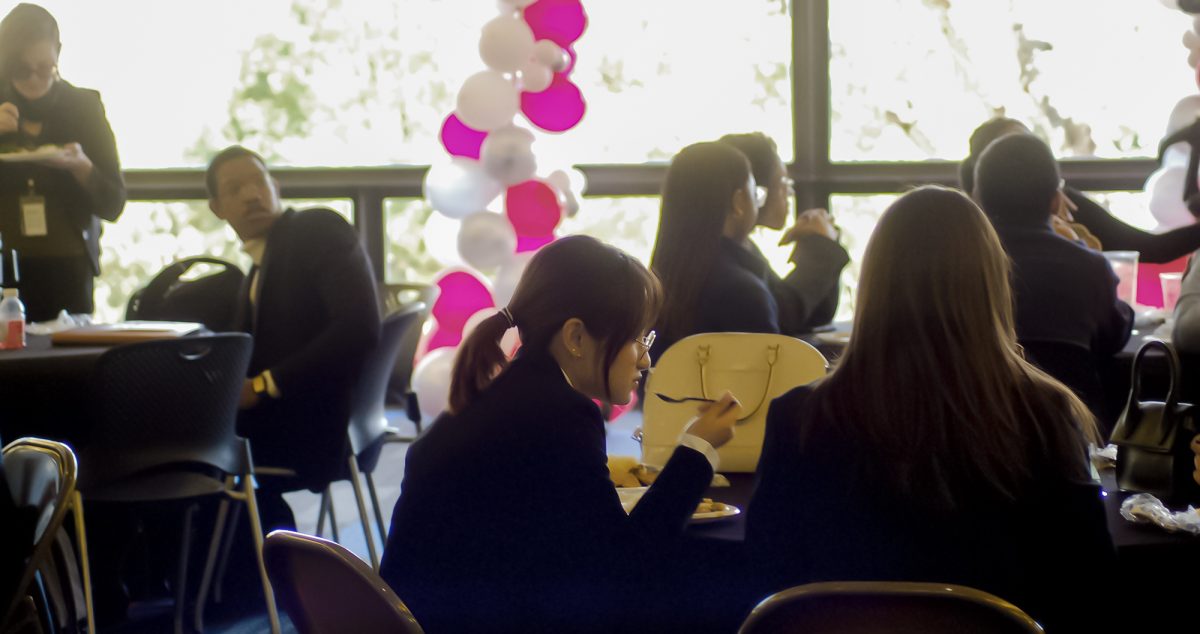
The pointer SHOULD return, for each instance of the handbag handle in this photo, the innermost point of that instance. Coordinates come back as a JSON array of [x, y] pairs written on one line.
[[702, 355], [1135, 381]]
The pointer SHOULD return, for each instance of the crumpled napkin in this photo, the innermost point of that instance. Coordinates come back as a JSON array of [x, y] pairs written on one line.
[[1144, 508], [64, 321]]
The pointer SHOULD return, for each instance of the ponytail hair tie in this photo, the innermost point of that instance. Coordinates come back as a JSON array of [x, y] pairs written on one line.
[[512, 323]]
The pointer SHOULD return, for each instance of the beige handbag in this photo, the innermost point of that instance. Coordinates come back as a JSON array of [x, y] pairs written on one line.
[[756, 368]]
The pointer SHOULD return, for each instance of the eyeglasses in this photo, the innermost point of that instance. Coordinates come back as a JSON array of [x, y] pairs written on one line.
[[760, 196], [25, 71], [645, 342]]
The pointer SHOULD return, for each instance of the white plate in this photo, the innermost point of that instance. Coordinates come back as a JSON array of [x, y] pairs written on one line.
[[44, 153], [630, 495], [836, 338]]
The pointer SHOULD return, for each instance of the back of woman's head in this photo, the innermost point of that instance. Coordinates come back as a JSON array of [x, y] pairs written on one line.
[[613, 294], [932, 382], [697, 197], [982, 137], [26, 24], [1017, 179]]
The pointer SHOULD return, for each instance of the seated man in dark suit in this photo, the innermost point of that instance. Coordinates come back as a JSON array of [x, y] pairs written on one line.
[[310, 303], [1065, 293]]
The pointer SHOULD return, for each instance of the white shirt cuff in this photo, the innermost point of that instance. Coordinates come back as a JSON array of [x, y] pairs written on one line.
[[703, 446]]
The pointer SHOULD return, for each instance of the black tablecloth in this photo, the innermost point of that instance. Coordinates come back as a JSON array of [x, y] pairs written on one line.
[[43, 391]]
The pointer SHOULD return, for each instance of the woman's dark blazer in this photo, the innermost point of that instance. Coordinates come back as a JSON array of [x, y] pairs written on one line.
[[508, 521], [814, 516]]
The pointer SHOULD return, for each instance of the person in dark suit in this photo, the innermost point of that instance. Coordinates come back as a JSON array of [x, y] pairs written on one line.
[[1098, 225], [808, 295], [507, 519], [1067, 313], [50, 209], [310, 303], [933, 451]]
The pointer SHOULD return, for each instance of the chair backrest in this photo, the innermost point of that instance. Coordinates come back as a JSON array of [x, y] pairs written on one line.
[[755, 367], [886, 607], [1075, 366], [166, 403], [327, 589], [211, 299], [368, 421], [41, 474]]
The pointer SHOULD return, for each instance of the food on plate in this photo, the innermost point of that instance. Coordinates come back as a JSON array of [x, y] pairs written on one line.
[[620, 471], [645, 474], [708, 506]]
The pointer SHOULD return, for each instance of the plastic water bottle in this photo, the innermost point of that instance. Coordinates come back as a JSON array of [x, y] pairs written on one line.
[[12, 320]]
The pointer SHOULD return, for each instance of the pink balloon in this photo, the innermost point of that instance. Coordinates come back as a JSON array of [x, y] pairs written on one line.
[[533, 209], [460, 140], [560, 21], [525, 244], [557, 108], [462, 295]]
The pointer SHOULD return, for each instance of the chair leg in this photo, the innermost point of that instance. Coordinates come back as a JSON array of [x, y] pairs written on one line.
[[210, 563], [362, 513], [333, 523], [378, 509], [256, 530], [223, 562], [322, 510], [181, 574], [84, 567]]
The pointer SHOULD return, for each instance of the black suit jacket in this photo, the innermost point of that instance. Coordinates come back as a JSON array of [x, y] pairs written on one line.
[[1064, 292], [813, 517], [315, 320], [76, 115], [507, 520]]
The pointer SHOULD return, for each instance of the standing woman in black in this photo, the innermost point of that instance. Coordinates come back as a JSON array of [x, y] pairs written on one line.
[[50, 209], [1112, 233]]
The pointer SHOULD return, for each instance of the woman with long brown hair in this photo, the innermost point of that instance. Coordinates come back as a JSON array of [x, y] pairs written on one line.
[[933, 451], [507, 520]]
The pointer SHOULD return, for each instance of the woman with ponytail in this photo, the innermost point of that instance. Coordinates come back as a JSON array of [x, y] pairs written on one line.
[[507, 520]]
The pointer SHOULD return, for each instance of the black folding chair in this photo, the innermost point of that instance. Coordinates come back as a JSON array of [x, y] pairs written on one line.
[[165, 429]]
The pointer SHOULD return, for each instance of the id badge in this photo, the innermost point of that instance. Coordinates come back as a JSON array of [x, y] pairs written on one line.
[[33, 216]]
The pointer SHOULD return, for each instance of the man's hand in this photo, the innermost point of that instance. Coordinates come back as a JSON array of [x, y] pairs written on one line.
[[10, 118], [814, 221], [1196, 460], [249, 398]]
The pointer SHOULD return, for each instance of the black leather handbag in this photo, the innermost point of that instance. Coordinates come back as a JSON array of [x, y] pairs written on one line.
[[1153, 438]]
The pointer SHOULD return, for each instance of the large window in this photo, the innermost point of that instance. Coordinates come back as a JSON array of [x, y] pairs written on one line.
[[859, 94], [910, 79]]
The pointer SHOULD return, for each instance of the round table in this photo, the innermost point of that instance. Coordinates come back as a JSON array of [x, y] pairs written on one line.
[[44, 391]]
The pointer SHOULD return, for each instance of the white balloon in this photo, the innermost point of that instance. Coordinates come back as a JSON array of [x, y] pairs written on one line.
[[1170, 4], [1183, 114], [1165, 187], [505, 44], [507, 278], [431, 381], [535, 76], [507, 155], [440, 235], [1193, 57], [551, 55], [1176, 155], [567, 198], [487, 100], [460, 187], [486, 240], [512, 6], [1191, 40]]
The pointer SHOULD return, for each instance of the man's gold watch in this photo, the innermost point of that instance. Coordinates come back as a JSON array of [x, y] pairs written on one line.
[[259, 385]]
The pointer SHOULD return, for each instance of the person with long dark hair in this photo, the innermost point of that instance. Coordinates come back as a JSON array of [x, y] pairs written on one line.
[[1111, 233], [933, 451], [808, 295], [51, 204], [507, 520]]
